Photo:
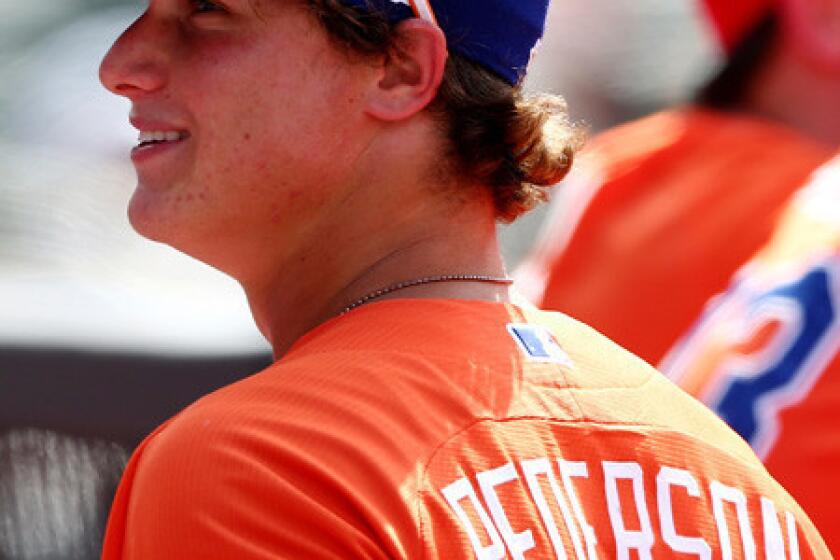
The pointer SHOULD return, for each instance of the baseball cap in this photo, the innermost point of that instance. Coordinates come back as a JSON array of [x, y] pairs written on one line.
[[498, 34], [734, 19]]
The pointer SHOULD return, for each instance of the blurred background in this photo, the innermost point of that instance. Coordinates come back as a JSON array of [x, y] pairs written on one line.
[[103, 335]]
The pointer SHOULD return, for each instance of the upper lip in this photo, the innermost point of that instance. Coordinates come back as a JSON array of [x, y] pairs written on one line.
[[153, 125]]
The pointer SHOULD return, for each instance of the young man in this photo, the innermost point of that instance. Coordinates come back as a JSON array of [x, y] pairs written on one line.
[[347, 163]]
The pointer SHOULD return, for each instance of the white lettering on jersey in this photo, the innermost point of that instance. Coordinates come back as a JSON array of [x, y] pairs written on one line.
[[625, 539], [793, 536], [517, 543], [462, 489], [499, 540], [542, 467], [667, 478], [721, 494], [774, 543], [569, 469]]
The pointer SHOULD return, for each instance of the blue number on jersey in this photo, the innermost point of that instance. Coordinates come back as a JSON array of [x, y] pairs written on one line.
[[740, 404]]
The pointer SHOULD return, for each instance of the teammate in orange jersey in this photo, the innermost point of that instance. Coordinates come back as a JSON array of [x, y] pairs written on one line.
[[662, 211], [347, 163], [766, 354], [671, 206]]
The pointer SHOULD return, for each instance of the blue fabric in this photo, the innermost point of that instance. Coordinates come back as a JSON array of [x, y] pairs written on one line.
[[498, 34]]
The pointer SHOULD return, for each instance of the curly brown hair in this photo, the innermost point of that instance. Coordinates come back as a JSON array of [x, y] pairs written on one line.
[[518, 145]]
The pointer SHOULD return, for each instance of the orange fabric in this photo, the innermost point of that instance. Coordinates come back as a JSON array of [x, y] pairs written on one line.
[[783, 391], [675, 203], [434, 429]]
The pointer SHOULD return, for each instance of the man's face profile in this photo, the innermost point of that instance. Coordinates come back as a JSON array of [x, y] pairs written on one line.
[[244, 111]]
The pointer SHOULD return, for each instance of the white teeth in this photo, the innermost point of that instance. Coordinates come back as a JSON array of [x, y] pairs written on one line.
[[159, 136]]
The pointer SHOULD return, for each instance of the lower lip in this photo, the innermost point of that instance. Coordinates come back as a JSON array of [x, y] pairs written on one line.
[[141, 154]]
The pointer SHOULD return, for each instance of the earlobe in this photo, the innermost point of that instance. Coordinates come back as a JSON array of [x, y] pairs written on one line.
[[411, 72]]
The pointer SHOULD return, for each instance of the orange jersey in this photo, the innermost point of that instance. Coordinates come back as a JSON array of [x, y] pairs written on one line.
[[766, 354], [436, 429], [663, 211]]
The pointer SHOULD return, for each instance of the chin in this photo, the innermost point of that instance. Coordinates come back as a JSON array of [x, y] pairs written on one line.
[[183, 229], [146, 219]]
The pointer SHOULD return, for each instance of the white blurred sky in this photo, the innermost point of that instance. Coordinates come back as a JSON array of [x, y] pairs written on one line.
[[72, 272]]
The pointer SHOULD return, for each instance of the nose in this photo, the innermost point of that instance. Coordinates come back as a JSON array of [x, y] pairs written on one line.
[[136, 62]]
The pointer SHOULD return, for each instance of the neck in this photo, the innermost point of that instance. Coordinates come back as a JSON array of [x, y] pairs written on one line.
[[369, 255]]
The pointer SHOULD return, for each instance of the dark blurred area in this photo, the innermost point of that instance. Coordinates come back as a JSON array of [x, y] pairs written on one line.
[[104, 335], [70, 418]]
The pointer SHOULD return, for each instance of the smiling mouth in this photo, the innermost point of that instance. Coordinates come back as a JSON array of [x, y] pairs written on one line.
[[154, 137]]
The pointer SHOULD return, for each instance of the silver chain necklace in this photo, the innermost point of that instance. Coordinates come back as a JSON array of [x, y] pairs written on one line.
[[427, 280]]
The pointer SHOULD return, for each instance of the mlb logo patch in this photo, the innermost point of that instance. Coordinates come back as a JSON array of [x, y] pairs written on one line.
[[538, 344]]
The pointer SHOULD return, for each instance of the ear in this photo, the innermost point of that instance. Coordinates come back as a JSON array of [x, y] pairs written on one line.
[[411, 73], [813, 25]]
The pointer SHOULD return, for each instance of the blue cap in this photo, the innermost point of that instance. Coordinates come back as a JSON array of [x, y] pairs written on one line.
[[498, 34]]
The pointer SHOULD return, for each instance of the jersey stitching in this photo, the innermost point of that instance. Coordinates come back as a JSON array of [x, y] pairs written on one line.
[[449, 360]]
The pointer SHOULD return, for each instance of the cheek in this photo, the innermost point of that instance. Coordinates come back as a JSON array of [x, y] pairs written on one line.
[[270, 148], [255, 105], [263, 182], [279, 145]]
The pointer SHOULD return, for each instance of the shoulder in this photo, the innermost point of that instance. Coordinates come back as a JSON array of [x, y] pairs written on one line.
[[302, 460], [625, 146], [332, 409], [700, 137], [667, 138], [615, 387], [352, 396]]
